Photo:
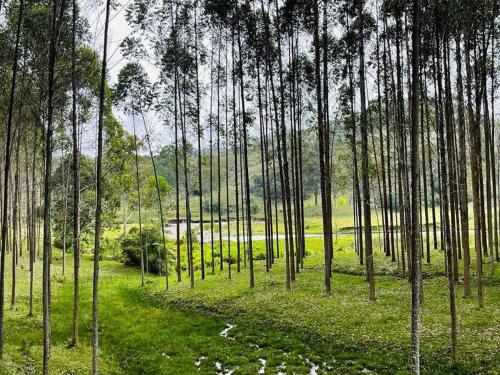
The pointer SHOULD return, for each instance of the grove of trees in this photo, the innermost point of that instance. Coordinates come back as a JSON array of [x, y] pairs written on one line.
[[388, 104]]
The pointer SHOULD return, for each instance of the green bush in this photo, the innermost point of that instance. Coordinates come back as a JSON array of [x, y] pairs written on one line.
[[58, 243], [154, 255], [110, 249], [86, 244]]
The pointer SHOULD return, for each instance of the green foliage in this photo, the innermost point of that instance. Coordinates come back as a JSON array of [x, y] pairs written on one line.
[[210, 208], [151, 192], [341, 201], [133, 90], [153, 250], [111, 249], [118, 179], [165, 162], [63, 195]]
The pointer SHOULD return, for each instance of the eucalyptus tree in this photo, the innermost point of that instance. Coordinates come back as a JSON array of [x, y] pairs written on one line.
[[198, 55], [475, 150], [327, 148], [278, 111], [64, 213], [282, 149], [415, 185], [385, 202], [494, 172], [490, 14], [134, 86], [175, 39], [16, 242], [30, 210], [388, 93], [218, 69], [450, 144], [227, 146], [364, 148], [402, 176], [99, 194], [294, 20], [347, 94], [159, 200], [166, 26], [132, 90], [245, 122], [235, 153], [58, 10], [75, 166], [264, 155], [487, 124], [6, 171], [323, 134], [255, 40], [183, 68], [440, 26], [211, 162]]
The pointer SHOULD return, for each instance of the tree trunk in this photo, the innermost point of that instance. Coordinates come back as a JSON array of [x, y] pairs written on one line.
[[245, 160], [186, 187], [47, 235], [450, 130], [160, 204], [15, 214], [475, 168], [235, 149], [219, 185], [356, 193], [415, 187], [322, 152], [365, 175], [76, 183], [199, 136], [138, 189], [65, 179], [462, 171], [284, 155], [226, 145], [177, 190], [7, 161], [98, 211], [445, 218]]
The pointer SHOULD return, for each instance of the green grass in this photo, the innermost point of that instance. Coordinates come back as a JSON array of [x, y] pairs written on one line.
[[347, 323], [137, 335], [152, 331]]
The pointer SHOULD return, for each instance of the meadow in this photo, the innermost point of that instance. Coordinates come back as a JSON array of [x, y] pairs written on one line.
[[223, 326]]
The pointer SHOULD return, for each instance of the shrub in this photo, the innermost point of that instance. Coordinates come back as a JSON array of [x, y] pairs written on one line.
[[154, 256], [110, 249]]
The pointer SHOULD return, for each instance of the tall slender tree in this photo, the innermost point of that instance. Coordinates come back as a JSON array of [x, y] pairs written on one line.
[[364, 160], [6, 173], [98, 211], [415, 187]]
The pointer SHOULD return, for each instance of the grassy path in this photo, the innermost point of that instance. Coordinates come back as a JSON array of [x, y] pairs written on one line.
[[141, 338], [138, 336]]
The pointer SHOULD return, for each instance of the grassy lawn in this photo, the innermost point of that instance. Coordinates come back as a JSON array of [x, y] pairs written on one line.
[[151, 331]]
